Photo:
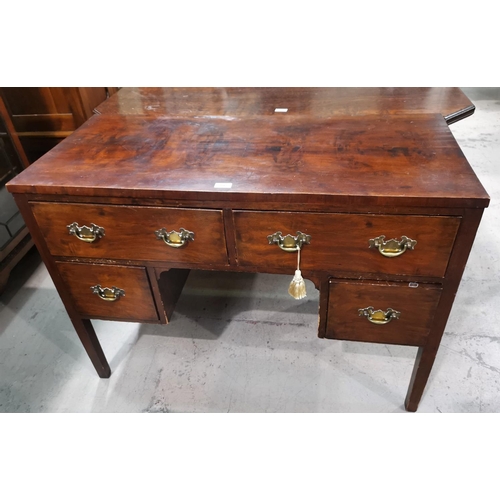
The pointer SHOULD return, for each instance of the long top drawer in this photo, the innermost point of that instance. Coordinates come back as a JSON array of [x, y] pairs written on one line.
[[127, 232], [343, 242]]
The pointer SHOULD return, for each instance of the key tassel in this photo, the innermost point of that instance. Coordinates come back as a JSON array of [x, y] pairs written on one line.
[[297, 288]]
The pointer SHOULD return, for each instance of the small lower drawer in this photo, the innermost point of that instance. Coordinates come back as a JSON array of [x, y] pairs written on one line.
[[409, 324], [131, 299]]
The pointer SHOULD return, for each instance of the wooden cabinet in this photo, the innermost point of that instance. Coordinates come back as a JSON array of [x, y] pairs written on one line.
[[44, 116], [15, 240], [370, 182]]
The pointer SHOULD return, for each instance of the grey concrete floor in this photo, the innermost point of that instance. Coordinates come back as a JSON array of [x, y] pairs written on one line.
[[238, 343]]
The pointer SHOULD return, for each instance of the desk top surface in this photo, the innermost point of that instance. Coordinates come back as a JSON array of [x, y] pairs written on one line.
[[407, 160], [318, 103]]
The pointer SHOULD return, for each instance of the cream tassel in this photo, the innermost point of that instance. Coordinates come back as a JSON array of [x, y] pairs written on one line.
[[297, 288]]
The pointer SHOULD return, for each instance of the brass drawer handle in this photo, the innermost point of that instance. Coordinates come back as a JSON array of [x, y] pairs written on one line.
[[379, 317], [108, 294], [392, 248], [85, 233], [175, 239], [289, 243]]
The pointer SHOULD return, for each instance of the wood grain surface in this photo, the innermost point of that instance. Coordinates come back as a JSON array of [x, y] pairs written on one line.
[[401, 160], [331, 102], [416, 305], [137, 304], [343, 165], [340, 242], [130, 232]]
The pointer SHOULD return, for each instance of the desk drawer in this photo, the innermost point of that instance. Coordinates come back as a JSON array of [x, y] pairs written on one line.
[[416, 307], [129, 232], [340, 242], [134, 302]]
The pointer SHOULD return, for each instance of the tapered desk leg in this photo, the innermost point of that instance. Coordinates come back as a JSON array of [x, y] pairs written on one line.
[[83, 327], [427, 353], [87, 336], [419, 377]]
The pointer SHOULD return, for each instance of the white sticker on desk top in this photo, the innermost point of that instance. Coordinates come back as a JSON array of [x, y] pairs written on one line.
[[223, 185], [281, 110]]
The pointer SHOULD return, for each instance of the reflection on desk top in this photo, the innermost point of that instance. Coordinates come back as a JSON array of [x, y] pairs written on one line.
[[404, 160], [450, 102]]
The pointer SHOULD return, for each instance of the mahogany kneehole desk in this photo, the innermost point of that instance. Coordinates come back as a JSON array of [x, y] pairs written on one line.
[[128, 204]]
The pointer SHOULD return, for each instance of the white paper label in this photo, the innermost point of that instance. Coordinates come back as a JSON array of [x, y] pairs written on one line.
[[281, 110], [223, 185]]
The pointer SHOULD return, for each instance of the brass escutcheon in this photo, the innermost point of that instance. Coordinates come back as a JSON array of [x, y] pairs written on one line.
[[108, 294], [379, 317], [289, 243], [175, 239], [85, 233], [392, 248]]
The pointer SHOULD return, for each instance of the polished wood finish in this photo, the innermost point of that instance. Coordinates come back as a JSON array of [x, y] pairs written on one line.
[[269, 204], [416, 305], [403, 161], [427, 354], [342, 165], [318, 103], [340, 242], [130, 232], [137, 304]]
